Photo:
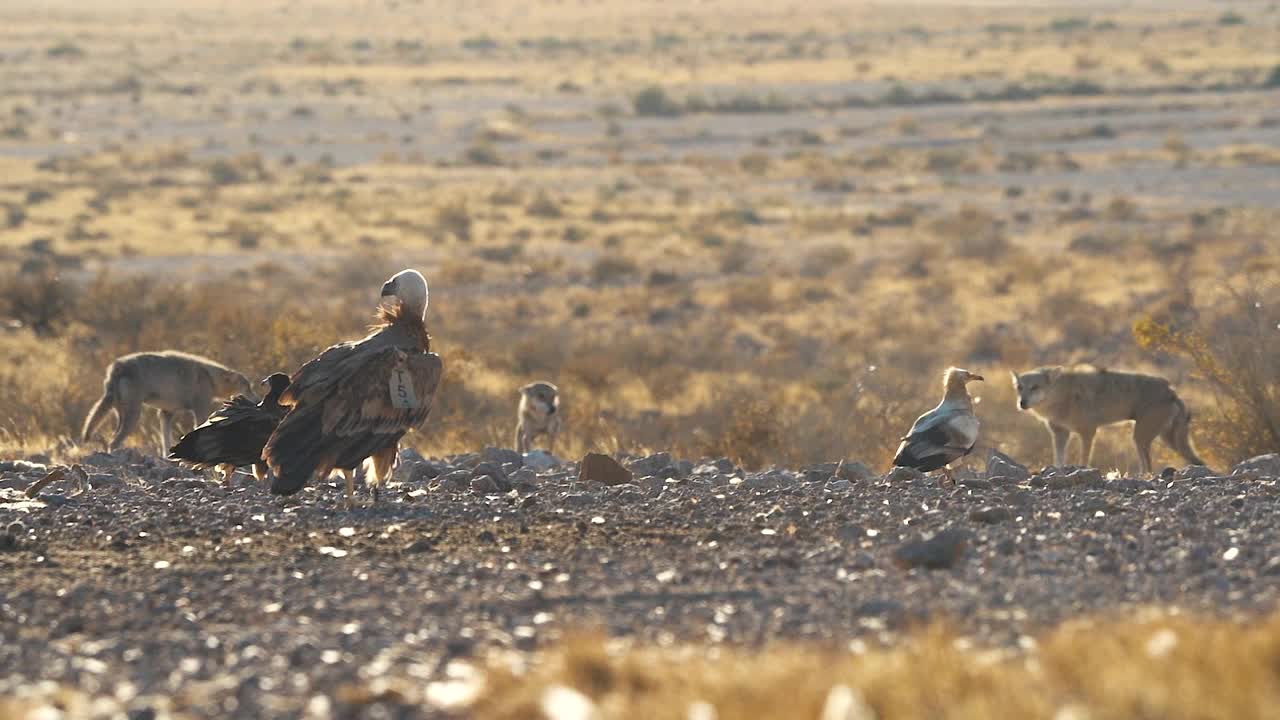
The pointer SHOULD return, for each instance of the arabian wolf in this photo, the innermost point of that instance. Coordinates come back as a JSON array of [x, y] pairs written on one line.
[[1081, 399], [171, 381], [538, 415]]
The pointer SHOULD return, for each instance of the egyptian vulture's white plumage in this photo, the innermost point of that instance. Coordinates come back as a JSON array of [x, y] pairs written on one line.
[[946, 433], [357, 399]]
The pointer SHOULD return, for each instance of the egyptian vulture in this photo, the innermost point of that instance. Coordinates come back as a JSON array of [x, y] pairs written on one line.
[[358, 398], [946, 433], [235, 434]]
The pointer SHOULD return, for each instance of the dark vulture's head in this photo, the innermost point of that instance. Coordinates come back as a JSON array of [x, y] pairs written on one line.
[[408, 287], [276, 383]]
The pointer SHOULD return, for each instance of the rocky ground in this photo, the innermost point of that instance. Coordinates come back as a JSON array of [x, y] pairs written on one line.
[[134, 584]]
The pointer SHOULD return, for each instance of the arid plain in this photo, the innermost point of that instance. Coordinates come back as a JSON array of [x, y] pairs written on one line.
[[726, 230]]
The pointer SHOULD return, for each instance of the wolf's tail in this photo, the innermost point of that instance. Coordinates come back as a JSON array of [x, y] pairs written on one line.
[[1178, 434], [104, 405]]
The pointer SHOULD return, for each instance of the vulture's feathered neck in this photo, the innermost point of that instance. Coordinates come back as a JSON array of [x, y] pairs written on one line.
[[397, 315], [955, 392]]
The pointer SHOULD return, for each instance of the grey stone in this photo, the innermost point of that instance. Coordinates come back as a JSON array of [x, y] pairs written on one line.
[[651, 465], [991, 514], [939, 552], [999, 464], [903, 475], [494, 471], [855, 471], [541, 460], [456, 481], [502, 456], [1259, 466]]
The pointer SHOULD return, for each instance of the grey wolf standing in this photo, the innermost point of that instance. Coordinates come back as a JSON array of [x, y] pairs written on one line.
[[538, 415], [1081, 399], [173, 382]]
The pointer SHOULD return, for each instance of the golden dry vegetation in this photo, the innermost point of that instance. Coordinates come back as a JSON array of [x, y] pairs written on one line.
[[1158, 666], [762, 238]]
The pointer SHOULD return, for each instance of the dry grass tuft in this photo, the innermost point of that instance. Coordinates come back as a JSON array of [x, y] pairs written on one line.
[[1163, 666]]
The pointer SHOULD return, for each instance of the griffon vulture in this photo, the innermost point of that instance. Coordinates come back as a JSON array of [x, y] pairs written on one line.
[[358, 398], [946, 433], [235, 434]]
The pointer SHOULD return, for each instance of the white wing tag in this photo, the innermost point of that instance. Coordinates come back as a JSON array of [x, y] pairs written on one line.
[[402, 395]]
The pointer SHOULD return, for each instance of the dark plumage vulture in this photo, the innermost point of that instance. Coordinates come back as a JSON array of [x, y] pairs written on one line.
[[946, 433], [357, 399], [235, 434]]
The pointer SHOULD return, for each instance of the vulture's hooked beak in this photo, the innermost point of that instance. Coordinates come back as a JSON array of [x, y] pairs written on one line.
[[979, 378]]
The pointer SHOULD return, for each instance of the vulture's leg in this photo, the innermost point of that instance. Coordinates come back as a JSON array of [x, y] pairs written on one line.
[[260, 472], [384, 463], [227, 471], [350, 475], [948, 478]]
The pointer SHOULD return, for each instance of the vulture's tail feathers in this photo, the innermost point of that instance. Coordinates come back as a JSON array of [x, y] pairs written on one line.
[[295, 451]]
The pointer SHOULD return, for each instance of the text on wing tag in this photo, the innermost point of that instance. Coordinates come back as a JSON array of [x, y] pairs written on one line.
[[402, 395]]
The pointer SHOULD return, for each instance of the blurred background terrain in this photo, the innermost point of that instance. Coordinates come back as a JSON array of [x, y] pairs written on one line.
[[726, 228]]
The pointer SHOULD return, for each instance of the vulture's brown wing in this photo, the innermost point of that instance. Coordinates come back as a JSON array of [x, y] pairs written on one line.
[[359, 404], [322, 371], [393, 390]]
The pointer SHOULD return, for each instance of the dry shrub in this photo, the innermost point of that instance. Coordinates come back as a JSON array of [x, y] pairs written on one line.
[[1237, 352], [613, 268], [37, 298], [1143, 665], [454, 218], [972, 233], [750, 429], [822, 260]]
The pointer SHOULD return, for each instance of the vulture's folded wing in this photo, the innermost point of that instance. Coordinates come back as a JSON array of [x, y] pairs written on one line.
[[321, 372], [391, 390], [938, 438]]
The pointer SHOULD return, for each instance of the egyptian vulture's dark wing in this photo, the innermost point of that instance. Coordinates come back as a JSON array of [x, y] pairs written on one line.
[[233, 435], [938, 438]]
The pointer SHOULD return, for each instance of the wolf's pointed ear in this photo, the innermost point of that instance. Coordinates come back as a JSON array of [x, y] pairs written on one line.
[[1052, 373], [1013, 375]]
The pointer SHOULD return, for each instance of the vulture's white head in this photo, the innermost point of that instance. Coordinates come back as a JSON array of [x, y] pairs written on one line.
[[410, 288]]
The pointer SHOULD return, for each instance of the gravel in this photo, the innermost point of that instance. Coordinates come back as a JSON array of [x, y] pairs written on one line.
[[152, 589]]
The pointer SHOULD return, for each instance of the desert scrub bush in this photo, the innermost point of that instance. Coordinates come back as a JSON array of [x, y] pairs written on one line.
[[755, 163], [746, 425], [482, 153], [972, 233], [1237, 353], [454, 218], [37, 298], [821, 261], [653, 101], [545, 206], [612, 268], [1272, 80], [65, 50]]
